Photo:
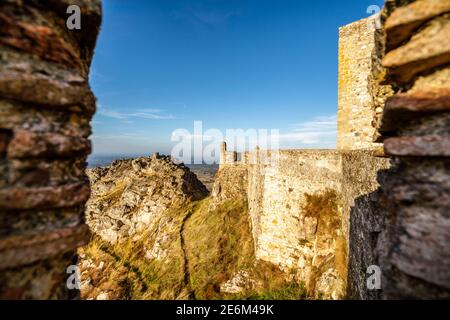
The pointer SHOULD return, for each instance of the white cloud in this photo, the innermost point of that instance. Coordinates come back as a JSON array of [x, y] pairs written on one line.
[[319, 132], [319, 124], [125, 135], [151, 114], [111, 113]]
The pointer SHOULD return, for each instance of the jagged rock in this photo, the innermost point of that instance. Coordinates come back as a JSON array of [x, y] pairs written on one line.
[[103, 296], [129, 194], [330, 285], [240, 282]]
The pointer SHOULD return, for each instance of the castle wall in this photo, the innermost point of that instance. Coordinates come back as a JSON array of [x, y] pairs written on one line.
[[287, 191], [45, 108], [284, 231], [279, 211], [393, 212]]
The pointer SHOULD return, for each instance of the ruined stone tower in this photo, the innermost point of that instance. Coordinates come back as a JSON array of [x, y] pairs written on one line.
[[46, 105], [360, 94]]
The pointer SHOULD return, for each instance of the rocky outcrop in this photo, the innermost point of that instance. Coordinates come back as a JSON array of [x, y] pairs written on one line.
[[129, 195], [137, 212], [46, 105]]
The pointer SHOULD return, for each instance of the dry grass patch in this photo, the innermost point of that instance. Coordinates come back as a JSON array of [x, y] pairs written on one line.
[[217, 244]]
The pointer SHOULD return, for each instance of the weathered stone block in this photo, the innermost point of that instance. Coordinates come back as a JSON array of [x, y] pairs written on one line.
[[30, 144], [405, 20], [431, 145], [24, 249], [45, 197], [63, 90], [427, 49]]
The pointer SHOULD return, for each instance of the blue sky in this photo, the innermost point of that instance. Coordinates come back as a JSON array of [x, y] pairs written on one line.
[[160, 65]]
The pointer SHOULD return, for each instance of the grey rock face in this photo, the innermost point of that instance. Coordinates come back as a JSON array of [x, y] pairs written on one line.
[[129, 194]]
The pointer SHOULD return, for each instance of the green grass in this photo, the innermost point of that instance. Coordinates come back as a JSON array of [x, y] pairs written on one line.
[[324, 207], [289, 291], [219, 243]]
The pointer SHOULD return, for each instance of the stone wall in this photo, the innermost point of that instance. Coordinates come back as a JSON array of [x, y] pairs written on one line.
[[285, 224], [233, 157], [416, 129], [327, 245], [360, 94], [285, 232], [404, 226], [45, 108], [281, 187]]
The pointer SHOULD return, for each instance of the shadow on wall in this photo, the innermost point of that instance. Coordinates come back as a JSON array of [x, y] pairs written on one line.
[[386, 234], [367, 242], [360, 199]]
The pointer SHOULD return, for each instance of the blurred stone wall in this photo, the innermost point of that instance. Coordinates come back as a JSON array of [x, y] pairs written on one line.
[[46, 105], [363, 217], [415, 127]]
